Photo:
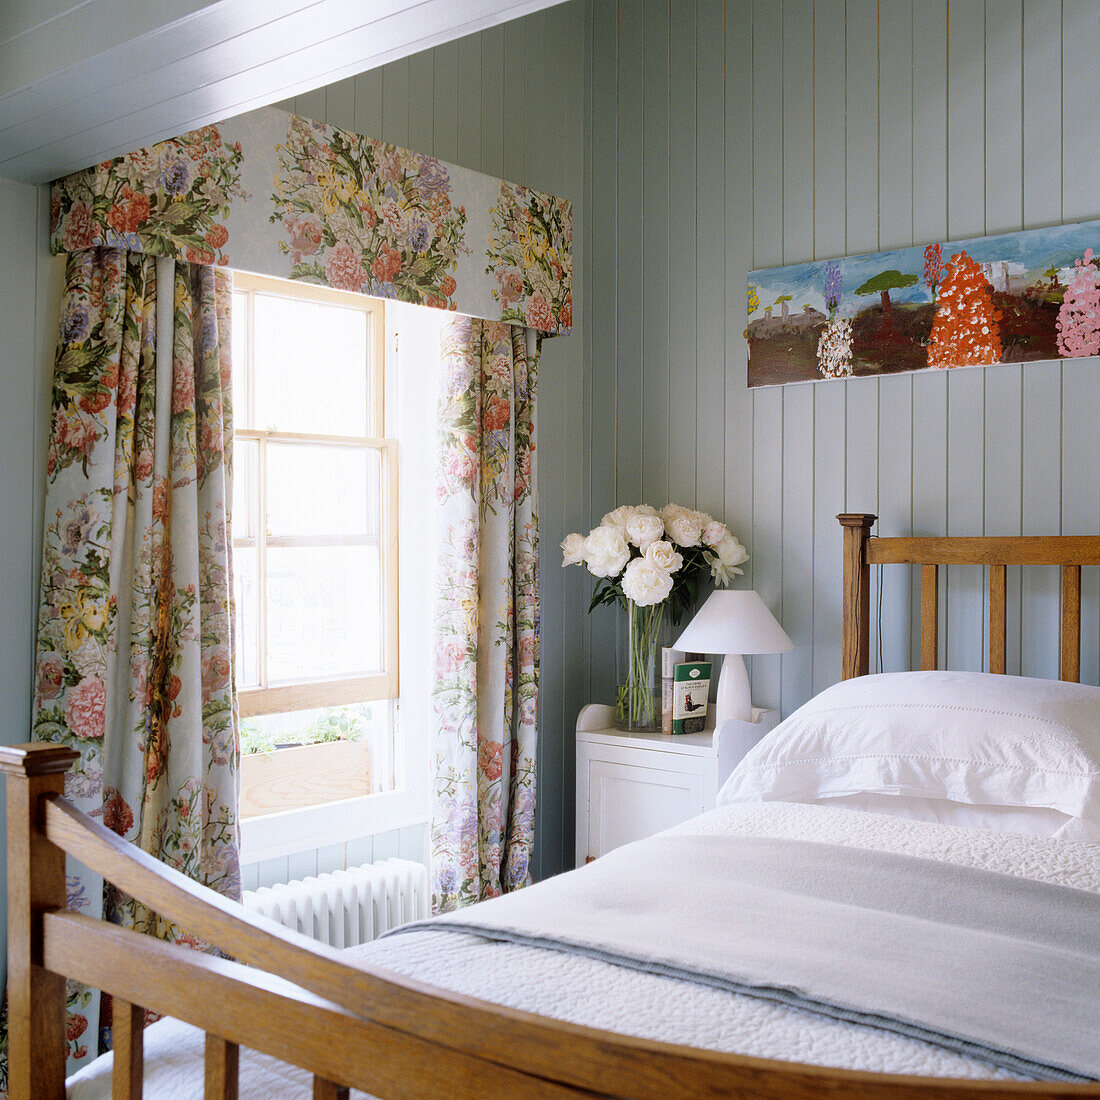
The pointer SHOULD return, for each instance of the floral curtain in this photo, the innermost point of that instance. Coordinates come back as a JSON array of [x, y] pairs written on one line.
[[486, 613], [134, 666]]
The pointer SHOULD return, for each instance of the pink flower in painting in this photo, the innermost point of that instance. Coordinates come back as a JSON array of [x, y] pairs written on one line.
[[386, 264], [448, 286], [1079, 315], [389, 166], [344, 267], [50, 674], [86, 709], [462, 465], [511, 286], [567, 311], [538, 312], [489, 759], [183, 388], [306, 234], [526, 653], [75, 1026], [127, 390], [80, 228]]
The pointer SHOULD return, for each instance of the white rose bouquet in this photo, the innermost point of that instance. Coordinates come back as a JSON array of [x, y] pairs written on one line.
[[646, 561]]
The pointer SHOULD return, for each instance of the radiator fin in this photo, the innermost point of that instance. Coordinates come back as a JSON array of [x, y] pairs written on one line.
[[349, 907]]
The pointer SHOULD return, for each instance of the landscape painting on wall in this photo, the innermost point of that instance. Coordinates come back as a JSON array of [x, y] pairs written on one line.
[[1011, 298]]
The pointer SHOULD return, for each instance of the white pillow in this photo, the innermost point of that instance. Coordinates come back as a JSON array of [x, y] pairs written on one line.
[[984, 741]]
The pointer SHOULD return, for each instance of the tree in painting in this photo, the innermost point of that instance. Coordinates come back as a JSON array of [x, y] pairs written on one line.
[[1079, 315], [881, 284], [754, 299], [933, 267], [966, 328]]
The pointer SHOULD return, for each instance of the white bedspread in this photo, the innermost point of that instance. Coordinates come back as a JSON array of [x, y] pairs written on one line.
[[587, 991]]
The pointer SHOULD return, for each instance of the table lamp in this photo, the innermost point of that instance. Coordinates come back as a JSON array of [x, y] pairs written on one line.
[[733, 622]]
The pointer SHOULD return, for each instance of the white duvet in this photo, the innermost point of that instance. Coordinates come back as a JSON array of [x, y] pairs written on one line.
[[600, 994]]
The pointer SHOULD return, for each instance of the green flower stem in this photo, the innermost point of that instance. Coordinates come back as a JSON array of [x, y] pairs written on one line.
[[645, 630]]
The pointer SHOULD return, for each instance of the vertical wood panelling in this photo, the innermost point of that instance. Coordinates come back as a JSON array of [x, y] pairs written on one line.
[[629, 446], [856, 125], [737, 483], [767, 418], [682, 228], [829, 469], [656, 347], [1080, 438], [710, 258]]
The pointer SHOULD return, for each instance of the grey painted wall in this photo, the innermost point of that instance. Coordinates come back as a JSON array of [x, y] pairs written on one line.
[[31, 282], [728, 136], [509, 101]]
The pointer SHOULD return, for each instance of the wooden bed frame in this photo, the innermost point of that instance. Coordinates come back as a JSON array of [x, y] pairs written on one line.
[[293, 998]]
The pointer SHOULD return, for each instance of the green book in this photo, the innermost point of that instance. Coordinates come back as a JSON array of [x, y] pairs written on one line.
[[690, 689]]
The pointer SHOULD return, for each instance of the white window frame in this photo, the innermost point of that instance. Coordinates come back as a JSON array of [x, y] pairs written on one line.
[[281, 834]]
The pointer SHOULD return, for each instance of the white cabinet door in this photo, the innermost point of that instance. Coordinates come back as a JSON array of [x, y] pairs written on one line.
[[627, 802]]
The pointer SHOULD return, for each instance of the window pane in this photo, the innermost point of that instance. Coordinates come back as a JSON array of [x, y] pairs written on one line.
[[240, 363], [323, 611], [246, 596], [245, 488], [310, 367], [319, 490]]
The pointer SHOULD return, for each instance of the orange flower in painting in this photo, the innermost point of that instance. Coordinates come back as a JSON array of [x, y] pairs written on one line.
[[966, 330]]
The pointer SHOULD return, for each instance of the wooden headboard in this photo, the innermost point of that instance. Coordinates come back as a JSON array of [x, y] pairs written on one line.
[[862, 550]]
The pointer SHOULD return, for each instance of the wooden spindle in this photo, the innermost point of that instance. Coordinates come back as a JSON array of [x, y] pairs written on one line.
[[855, 657], [997, 618], [36, 882], [221, 1069], [929, 615], [326, 1090], [1071, 623], [127, 1022]]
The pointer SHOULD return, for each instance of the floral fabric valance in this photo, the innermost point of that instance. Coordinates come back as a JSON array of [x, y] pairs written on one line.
[[280, 195]]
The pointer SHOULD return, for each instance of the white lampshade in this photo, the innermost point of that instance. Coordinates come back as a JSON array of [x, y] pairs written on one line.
[[734, 621]]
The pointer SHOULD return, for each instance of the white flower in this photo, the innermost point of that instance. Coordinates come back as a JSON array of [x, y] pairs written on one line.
[[685, 528], [646, 583], [663, 555], [714, 532], [645, 510], [670, 511], [605, 551], [728, 554], [620, 517], [572, 550], [643, 530]]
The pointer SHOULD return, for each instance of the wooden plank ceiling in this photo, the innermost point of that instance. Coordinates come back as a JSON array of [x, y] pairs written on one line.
[[81, 80]]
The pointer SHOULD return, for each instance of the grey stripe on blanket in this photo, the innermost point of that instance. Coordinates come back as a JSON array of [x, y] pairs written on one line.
[[1000, 968]]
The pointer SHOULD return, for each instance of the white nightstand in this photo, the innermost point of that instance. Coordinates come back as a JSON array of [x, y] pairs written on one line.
[[631, 785]]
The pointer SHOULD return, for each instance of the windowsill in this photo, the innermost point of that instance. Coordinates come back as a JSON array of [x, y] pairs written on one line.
[[283, 834]]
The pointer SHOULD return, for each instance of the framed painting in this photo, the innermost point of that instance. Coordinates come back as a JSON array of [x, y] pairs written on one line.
[[1011, 298]]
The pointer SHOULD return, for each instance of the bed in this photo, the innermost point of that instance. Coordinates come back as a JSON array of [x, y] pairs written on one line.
[[484, 1005]]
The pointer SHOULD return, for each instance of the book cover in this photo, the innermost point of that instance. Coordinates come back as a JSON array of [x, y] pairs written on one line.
[[670, 658], [690, 689]]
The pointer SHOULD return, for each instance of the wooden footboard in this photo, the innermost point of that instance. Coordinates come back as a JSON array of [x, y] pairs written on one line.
[[293, 998]]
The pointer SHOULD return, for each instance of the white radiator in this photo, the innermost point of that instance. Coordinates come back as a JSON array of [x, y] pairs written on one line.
[[348, 907]]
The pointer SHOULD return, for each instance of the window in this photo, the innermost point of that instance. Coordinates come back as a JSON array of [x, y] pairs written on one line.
[[314, 538]]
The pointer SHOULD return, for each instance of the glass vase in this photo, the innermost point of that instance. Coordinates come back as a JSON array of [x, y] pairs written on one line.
[[638, 707]]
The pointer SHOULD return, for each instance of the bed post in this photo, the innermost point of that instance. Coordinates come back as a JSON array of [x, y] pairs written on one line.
[[36, 882], [857, 594]]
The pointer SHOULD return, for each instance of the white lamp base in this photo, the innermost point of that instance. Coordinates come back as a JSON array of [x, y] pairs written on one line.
[[734, 700]]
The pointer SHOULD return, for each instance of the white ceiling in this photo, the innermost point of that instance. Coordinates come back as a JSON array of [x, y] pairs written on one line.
[[83, 80]]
